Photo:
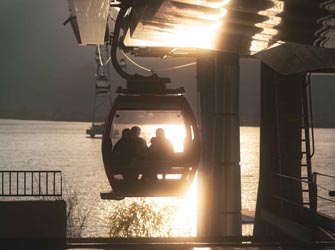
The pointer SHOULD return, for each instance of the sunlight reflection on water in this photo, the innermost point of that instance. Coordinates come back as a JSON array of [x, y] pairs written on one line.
[[37, 145]]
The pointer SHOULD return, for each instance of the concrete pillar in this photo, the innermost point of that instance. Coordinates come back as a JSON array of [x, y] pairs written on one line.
[[226, 181], [205, 85]]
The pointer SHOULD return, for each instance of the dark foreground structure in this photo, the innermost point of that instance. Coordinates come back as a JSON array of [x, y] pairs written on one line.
[[225, 243], [32, 224]]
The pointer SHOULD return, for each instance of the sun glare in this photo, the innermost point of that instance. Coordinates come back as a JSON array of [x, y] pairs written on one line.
[[185, 221], [185, 218], [198, 37], [198, 30], [217, 4], [263, 39], [174, 132]]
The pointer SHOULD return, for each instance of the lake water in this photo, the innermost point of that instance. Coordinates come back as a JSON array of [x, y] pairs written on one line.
[[43, 145]]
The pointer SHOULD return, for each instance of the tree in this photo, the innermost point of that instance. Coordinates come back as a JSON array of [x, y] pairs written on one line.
[[141, 218], [76, 216]]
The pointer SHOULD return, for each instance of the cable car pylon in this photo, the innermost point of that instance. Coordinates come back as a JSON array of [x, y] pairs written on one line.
[[102, 91]]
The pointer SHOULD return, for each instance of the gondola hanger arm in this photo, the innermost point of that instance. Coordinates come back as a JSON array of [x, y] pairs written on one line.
[[136, 78]]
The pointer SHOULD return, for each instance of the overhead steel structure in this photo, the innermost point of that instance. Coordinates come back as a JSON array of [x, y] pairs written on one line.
[[154, 28], [102, 91], [290, 37]]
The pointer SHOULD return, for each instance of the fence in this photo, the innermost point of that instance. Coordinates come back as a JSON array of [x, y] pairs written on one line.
[[319, 192], [30, 183], [324, 192]]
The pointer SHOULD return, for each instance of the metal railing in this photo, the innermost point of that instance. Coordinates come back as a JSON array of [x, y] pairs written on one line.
[[312, 198], [30, 183], [315, 190], [331, 192]]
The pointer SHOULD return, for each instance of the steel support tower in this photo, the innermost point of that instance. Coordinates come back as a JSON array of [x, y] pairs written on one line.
[[102, 91]]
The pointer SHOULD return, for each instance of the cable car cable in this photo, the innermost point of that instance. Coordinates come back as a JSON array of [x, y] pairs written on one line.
[[99, 53], [136, 64], [177, 67], [155, 70]]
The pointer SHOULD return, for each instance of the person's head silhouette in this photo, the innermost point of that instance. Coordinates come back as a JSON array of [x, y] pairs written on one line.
[[160, 133], [126, 133], [135, 131]]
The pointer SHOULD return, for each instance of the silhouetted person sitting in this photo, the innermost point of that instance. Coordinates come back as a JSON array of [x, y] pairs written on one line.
[[121, 147], [138, 147], [129, 147], [160, 148]]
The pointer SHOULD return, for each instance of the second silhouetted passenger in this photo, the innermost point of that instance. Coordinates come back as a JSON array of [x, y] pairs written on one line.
[[161, 147], [138, 145]]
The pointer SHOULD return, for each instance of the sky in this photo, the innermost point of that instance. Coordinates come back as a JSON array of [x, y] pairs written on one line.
[[45, 74], [41, 66]]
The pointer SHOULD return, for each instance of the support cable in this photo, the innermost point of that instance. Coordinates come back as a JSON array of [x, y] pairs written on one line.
[[99, 54], [155, 70], [135, 63], [177, 67]]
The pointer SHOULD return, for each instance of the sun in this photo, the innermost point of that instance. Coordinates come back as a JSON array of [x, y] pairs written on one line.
[[175, 133]]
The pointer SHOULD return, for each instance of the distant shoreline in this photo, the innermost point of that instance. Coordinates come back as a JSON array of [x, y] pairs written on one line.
[[242, 123]]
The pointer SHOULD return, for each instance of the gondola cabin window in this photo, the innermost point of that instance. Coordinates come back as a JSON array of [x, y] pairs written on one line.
[[149, 121]]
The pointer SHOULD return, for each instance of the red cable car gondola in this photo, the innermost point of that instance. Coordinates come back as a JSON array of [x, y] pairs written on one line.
[[149, 173]]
